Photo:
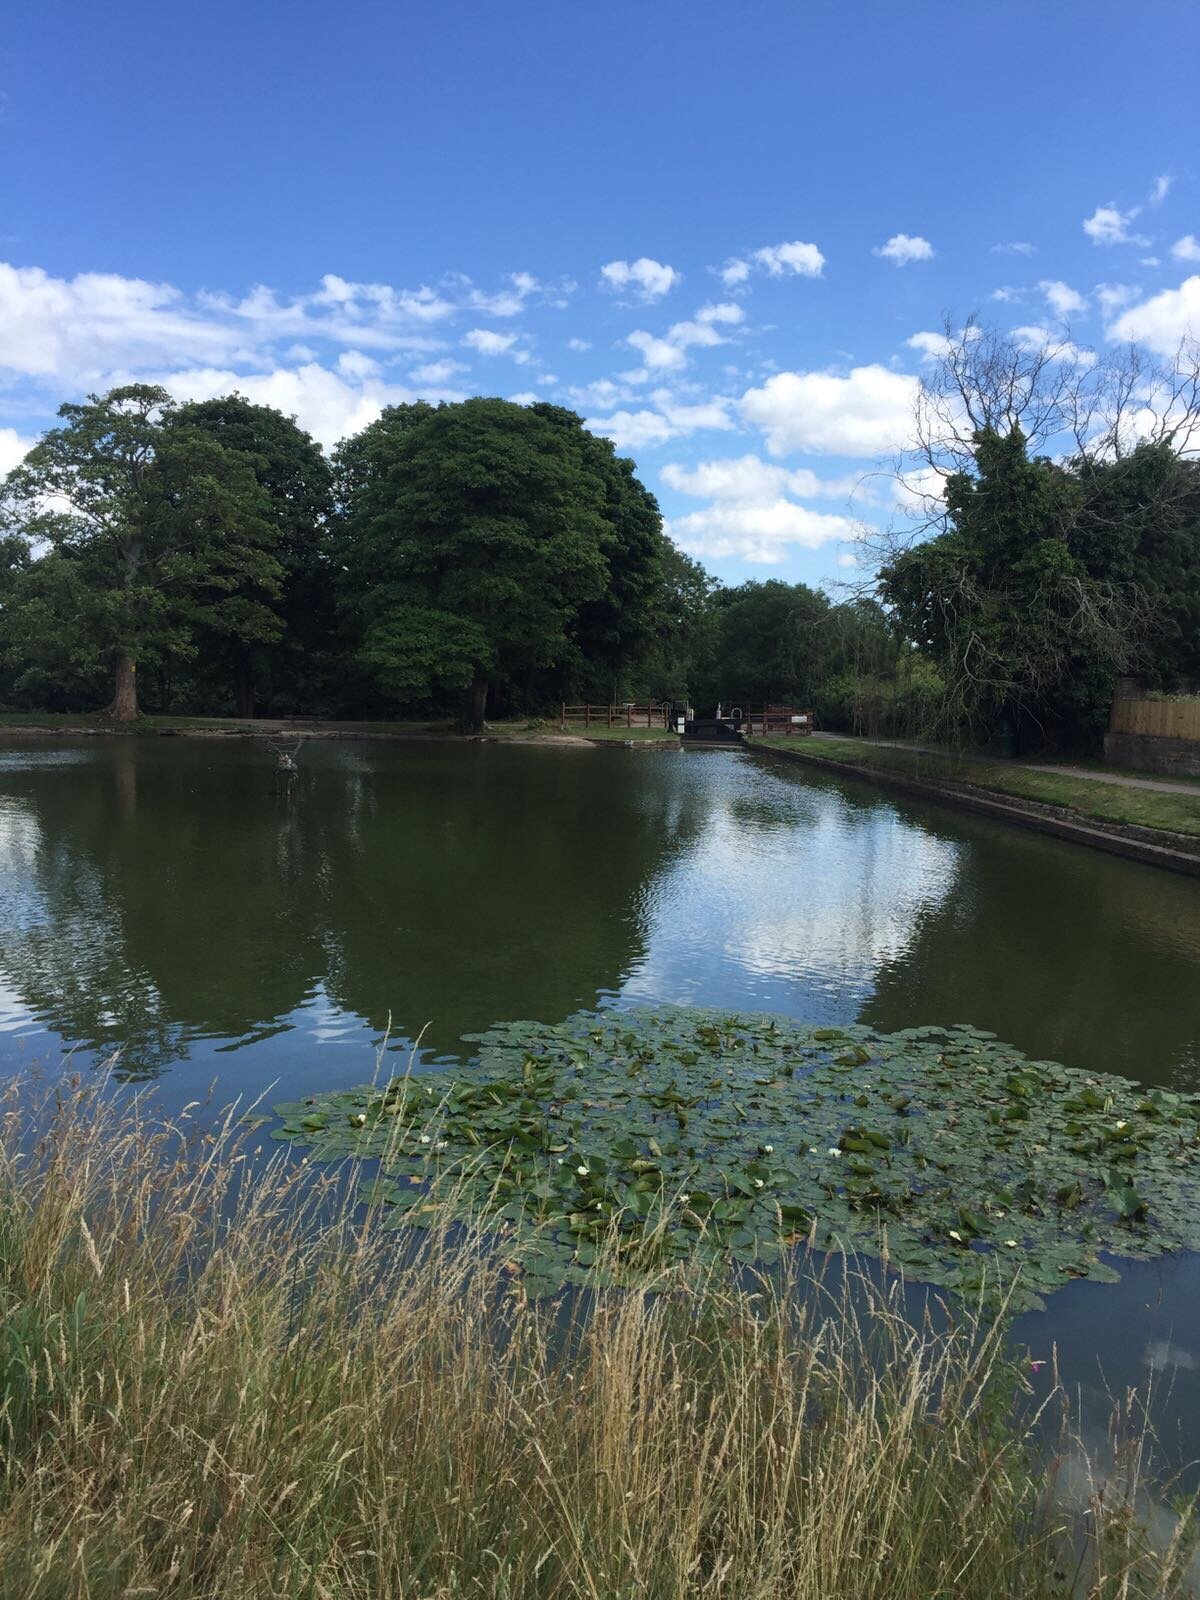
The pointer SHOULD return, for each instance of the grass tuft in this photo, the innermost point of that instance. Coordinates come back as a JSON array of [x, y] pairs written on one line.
[[221, 1378]]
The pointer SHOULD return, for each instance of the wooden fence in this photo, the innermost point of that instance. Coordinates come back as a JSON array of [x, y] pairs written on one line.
[[653, 714], [775, 719], [1158, 719]]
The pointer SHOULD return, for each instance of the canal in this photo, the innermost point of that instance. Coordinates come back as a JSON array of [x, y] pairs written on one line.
[[173, 901]]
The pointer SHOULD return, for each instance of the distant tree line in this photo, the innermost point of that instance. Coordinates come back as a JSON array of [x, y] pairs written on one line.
[[491, 559]]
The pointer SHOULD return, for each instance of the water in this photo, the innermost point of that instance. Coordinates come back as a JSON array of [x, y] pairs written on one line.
[[170, 898]]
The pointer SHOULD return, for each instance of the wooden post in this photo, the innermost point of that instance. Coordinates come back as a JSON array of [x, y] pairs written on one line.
[[587, 715]]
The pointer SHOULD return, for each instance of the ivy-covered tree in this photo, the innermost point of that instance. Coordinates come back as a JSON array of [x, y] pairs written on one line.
[[149, 526], [1026, 620]]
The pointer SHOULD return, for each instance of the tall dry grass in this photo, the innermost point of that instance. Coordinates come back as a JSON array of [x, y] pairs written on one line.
[[222, 1378]]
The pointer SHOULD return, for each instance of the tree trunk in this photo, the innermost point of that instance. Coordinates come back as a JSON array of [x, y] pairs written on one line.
[[478, 705], [243, 685], [124, 707]]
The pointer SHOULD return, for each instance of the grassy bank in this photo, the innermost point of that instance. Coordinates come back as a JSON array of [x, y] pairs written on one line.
[[1089, 798], [519, 728], [230, 1382]]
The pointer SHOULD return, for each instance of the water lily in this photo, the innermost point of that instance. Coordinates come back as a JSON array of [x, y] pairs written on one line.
[[758, 1183], [1010, 1244], [834, 1151], [956, 1236], [583, 1171], [425, 1139]]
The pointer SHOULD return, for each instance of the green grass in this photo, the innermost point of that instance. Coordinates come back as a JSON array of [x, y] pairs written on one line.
[[1145, 808], [661, 735], [227, 1382]]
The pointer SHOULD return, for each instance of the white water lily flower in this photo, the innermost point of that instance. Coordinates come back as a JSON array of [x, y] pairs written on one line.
[[1121, 1126], [1011, 1244], [425, 1139], [957, 1237], [583, 1171], [758, 1183], [813, 1151], [439, 1144], [834, 1151], [768, 1149], [685, 1199]]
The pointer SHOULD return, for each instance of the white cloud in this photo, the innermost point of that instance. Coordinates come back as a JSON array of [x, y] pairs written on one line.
[[726, 312], [652, 279], [505, 302], [328, 404], [1037, 337], [438, 372], [1159, 190], [659, 355], [1112, 296], [75, 333], [735, 271], [905, 247], [749, 477], [579, 344], [13, 449], [868, 412], [1006, 292], [1109, 225], [668, 353], [1164, 320], [802, 260], [489, 343], [1187, 248], [1061, 298], [526, 397], [762, 532], [1019, 247], [847, 558], [751, 514], [354, 364], [629, 430], [931, 345], [1149, 261]]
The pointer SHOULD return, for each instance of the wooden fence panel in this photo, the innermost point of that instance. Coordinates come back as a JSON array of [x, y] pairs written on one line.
[[1162, 719]]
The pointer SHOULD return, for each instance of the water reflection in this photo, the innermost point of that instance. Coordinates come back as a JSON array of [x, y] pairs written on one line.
[[167, 896]]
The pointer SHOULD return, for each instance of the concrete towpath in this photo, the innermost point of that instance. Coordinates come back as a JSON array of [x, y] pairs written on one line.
[[1121, 779]]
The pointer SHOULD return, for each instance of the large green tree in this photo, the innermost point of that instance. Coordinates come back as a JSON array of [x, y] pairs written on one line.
[[149, 527], [472, 539], [254, 629]]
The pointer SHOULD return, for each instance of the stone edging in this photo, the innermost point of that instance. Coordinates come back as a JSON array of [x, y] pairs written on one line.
[[1130, 843]]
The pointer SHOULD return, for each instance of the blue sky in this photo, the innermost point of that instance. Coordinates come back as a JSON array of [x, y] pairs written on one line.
[[716, 230]]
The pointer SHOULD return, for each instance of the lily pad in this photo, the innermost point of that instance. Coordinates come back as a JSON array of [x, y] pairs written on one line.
[[687, 1136]]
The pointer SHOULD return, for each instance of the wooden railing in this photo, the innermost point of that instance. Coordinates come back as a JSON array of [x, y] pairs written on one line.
[[652, 714], [791, 720]]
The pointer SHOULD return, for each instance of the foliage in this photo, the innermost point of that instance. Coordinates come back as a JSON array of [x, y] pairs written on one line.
[[151, 525], [1025, 623], [293, 473], [689, 1134], [221, 1378], [480, 541]]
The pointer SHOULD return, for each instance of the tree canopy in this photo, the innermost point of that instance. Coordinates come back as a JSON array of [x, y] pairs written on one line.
[[151, 528], [485, 541]]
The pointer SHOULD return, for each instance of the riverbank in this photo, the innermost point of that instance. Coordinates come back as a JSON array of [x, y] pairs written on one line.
[[519, 730], [1157, 826], [223, 1378]]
